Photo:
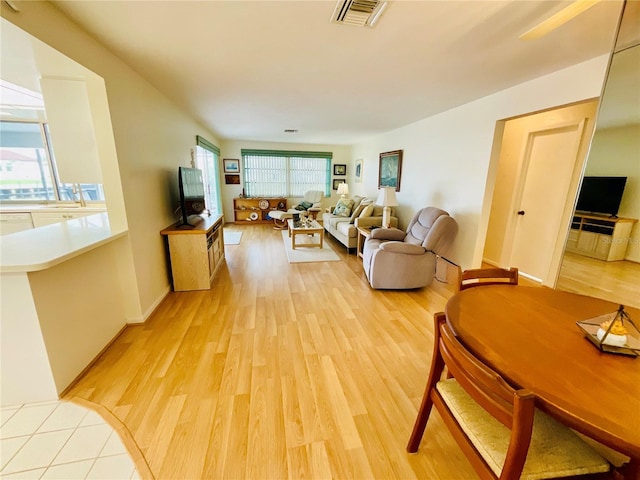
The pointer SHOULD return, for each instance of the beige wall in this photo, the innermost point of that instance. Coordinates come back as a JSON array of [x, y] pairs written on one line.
[[616, 152], [231, 149], [153, 136], [450, 160]]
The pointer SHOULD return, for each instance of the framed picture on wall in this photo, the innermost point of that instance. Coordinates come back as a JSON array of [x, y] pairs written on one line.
[[337, 182], [232, 179], [231, 165], [390, 169], [339, 169], [358, 171]]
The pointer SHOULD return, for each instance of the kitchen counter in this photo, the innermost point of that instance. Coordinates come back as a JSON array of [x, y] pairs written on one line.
[[44, 247], [43, 207], [62, 303]]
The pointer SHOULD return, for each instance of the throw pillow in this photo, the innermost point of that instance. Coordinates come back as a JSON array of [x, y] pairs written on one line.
[[343, 207], [367, 211], [303, 205]]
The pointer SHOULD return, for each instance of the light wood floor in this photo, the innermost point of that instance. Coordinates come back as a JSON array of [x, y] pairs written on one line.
[[279, 371], [615, 281]]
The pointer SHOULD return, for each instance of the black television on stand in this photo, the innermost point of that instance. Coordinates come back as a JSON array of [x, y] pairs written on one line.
[[601, 195], [192, 202]]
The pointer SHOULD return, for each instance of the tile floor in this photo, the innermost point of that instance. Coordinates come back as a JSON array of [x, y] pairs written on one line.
[[60, 440]]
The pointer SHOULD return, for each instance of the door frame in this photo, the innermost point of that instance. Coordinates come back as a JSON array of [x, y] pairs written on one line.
[[584, 142]]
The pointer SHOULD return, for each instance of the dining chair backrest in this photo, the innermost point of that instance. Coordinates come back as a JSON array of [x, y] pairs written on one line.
[[488, 276], [497, 427], [512, 408]]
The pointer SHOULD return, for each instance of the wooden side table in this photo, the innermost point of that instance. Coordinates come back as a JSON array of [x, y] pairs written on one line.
[[363, 234]]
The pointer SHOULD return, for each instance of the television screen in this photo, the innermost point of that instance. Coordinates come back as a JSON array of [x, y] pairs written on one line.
[[191, 185], [601, 195]]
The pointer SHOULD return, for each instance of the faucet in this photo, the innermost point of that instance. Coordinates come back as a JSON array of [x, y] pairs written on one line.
[[77, 189]]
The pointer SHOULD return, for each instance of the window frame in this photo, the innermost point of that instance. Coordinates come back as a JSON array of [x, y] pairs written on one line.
[[288, 155]]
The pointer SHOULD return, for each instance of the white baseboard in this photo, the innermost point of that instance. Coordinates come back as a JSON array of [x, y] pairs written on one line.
[[145, 316]]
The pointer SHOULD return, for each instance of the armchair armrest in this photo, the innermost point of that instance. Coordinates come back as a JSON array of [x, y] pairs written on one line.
[[401, 247], [388, 234]]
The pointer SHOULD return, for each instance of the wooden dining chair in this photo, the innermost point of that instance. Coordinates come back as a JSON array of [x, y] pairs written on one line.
[[497, 426], [488, 276]]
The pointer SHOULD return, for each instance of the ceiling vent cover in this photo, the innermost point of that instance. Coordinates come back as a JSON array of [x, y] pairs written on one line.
[[361, 13]]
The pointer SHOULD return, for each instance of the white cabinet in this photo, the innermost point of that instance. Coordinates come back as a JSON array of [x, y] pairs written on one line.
[[600, 237], [15, 222], [47, 218]]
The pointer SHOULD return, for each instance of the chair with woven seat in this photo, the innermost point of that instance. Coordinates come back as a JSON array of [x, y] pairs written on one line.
[[497, 426], [312, 200], [488, 276]]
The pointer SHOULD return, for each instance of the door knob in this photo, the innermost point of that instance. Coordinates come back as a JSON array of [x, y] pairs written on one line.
[[521, 212]]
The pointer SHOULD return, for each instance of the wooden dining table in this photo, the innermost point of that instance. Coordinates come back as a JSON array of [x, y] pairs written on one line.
[[529, 335]]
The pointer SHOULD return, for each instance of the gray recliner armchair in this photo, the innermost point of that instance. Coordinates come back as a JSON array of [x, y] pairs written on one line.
[[393, 259]]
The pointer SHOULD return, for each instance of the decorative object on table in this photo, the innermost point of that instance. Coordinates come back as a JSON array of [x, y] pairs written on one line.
[[232, 179], [339, 169], [386, 199], [613, 333], [231, 165], [390, 169], [263, 204], [343, 190], [358, 171]]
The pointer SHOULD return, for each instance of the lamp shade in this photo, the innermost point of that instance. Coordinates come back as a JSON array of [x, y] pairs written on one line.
[[343, 189], [387, 197]]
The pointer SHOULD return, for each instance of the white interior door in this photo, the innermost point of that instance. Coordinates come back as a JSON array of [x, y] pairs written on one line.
[[549, 160]]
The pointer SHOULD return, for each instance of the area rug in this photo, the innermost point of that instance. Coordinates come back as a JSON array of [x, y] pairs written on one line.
[[307, 254], [232, 238]]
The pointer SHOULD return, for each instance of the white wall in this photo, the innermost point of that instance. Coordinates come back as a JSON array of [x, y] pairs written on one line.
[[449, 159], [152, 136], [231, 149], [616, 152]]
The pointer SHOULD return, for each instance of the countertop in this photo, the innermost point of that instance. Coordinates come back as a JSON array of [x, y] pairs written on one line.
[[50, 207], [44, 247]]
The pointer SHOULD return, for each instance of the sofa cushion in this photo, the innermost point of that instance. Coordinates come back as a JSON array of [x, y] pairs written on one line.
[[366, 211], [347, 229], [343, 207], [357, 208]]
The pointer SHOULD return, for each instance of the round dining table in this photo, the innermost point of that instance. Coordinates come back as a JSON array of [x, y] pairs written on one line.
[[529, 335]]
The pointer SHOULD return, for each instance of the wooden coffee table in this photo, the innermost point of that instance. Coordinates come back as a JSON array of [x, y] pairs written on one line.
[[306, 227]]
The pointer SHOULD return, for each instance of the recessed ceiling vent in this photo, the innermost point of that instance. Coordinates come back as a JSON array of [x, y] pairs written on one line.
[[361, 13]]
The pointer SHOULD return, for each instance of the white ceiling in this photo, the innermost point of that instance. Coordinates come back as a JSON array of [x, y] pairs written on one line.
[[251, 69]]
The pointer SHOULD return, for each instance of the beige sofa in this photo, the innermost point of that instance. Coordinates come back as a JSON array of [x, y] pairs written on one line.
[[344, 229]]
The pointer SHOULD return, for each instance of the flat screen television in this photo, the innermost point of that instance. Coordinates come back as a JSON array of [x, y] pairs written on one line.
[[191, 187], [601, 195]]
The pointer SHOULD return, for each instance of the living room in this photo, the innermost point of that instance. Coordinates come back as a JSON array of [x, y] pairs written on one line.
[[449, 162]]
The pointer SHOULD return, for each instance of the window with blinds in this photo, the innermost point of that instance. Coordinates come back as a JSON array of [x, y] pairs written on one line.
[[269, 173]]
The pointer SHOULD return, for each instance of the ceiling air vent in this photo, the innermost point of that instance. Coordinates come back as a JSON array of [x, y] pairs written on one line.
[[361, 13]]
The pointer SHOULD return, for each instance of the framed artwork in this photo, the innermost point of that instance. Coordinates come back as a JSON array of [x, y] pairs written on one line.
[[232, 179], [231, 165], [390, 169], [358, 172], [339, 169], [336, 182]]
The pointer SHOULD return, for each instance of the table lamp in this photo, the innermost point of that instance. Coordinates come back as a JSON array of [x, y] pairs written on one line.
[[386, 199], [343, 190]]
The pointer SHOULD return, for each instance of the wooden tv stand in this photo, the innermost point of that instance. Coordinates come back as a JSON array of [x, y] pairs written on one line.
[[600, 236], [196, 253]]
